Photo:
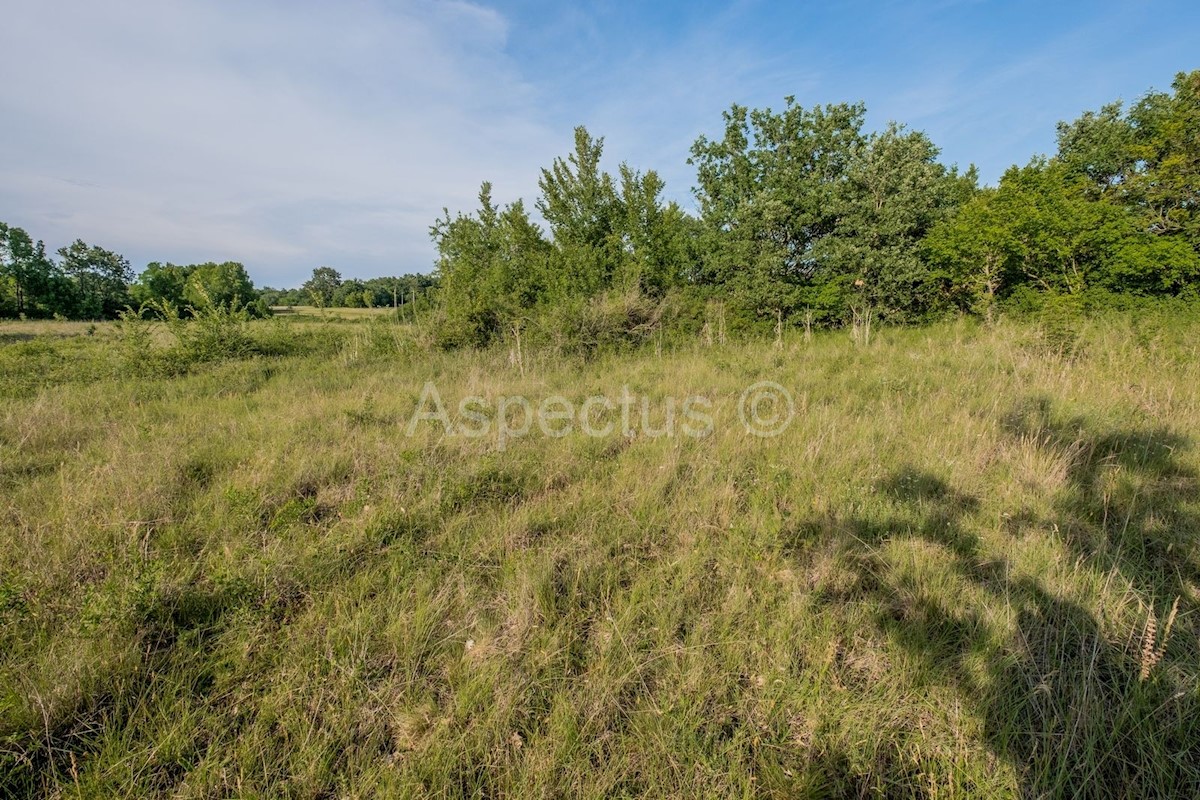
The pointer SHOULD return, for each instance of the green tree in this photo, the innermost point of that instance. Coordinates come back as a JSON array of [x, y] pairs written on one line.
[[769, 192], [895, 191], [655, 241], [805, 211], [492, 268], [161, 283], [349, 294], [1044, 229], [225, 285], [974, 255], [30, 282], [1165, 186], [1146, 160], [579, 201], [100, 277], [1098, 148], [321, 286]]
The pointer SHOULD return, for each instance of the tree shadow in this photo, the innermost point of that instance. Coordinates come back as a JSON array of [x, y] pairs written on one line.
[[1072, 708]]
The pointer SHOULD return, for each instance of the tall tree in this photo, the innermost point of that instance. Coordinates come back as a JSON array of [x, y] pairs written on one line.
[[895, 191], [1147, 159], [33, 281], [322, 285], [101, 279], [806, 211], [161, 283], [579, 201], [492, 267], [224, 285], [768, 191]]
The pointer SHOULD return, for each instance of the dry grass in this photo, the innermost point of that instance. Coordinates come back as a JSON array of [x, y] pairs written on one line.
[[335, 313], [245, 580]]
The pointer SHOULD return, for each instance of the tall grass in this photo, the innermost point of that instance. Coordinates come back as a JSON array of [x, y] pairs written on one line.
[[952, 574]]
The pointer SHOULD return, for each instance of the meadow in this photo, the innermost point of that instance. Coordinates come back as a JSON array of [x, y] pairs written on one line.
[[231, 566]]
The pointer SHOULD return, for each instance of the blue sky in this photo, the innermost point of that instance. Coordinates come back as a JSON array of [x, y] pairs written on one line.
[[289, 135]]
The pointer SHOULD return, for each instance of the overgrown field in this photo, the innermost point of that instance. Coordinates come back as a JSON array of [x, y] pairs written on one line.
[[968, 567]]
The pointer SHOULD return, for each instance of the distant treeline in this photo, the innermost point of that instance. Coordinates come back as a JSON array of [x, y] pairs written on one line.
[[327, 289], [806, 218], [88, 282]]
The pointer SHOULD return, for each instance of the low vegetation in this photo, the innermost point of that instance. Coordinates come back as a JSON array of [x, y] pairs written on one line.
[[967, 568]]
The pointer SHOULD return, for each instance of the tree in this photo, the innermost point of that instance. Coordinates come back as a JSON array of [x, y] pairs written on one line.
[[30, 281], [492, 268], [768, 192], [198, 287], [805, 211], [895, 191], [1146, 160], [225, 285], [974, 255], [161, 284], [1165, 186], [1043, 228], [349, 294], [1098, 148], [322, 285], [655, 240], [101, 279], [579, 201]]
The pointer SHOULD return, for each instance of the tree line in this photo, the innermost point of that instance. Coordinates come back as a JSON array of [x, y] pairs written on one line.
[[91, 283], [805, 217], [327, 289], [85, 282]]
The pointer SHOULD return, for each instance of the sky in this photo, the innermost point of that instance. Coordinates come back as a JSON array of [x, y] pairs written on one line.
[[291, 134]]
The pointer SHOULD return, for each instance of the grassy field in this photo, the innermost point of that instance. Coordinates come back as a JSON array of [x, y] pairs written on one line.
[[967, 567], [334, 313]]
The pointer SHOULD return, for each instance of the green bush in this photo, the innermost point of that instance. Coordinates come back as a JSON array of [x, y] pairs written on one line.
[[606, 322]]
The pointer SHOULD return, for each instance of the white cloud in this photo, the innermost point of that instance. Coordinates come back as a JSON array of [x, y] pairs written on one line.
[[284, 135]]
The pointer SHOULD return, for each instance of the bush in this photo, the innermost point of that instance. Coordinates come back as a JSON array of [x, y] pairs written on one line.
[[603, 323]]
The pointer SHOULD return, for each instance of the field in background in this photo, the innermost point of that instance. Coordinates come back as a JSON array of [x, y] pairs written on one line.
[[334, 313], [967, 568]]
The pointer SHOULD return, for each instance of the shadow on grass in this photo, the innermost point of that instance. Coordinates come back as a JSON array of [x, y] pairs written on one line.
[[1074, 711]]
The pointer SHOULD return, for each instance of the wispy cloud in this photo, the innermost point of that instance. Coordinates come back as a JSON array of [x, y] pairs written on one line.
[[280, 134]]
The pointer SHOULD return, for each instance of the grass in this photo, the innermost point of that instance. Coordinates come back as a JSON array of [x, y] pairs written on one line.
[[335, 312], [950, 576]]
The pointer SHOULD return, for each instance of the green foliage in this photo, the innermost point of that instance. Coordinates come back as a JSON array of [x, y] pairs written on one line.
[[197, 287], [895, 192], [805, 212], [31, 284], [1045, 229], [496, 270], [607, 322], [225, 285], [161, 283], [322, 286], [135, 332], [215, 333], [1146, 161], [493, 267], [100, 278], [804, 216]]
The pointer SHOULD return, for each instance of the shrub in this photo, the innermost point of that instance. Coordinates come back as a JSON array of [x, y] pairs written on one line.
[[609, 321]]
